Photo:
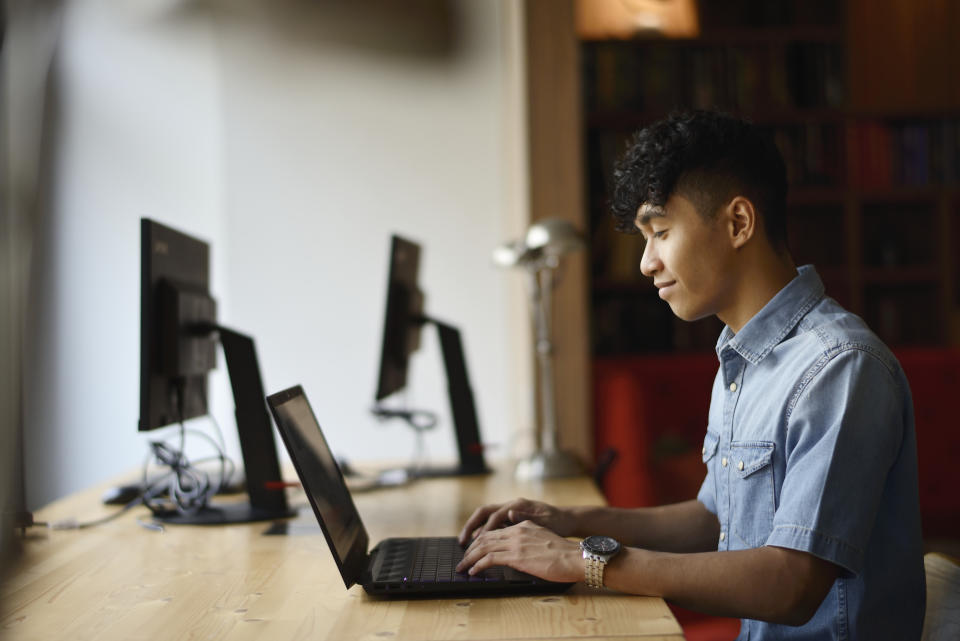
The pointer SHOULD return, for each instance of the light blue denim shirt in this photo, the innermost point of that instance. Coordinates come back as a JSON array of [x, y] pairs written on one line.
[[810, 446]]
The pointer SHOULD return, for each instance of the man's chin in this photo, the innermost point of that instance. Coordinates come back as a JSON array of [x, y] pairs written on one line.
[[688, 315]]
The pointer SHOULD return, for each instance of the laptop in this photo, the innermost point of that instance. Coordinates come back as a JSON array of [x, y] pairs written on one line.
[[396, 567]]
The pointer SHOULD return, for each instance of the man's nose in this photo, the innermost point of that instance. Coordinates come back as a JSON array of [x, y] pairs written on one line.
[[649, 261]]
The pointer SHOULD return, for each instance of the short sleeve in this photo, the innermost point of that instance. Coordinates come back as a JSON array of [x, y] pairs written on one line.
[[843, 435], [708, 489]]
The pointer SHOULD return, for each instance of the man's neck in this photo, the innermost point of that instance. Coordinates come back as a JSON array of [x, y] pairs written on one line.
[[757, 283]]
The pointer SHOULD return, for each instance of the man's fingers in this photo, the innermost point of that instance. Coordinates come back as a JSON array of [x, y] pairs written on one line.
[[495, 516], [470, 556], [523, 516], [485, 519], [485, 562], [496, 520], [479, 516], [482, 546]]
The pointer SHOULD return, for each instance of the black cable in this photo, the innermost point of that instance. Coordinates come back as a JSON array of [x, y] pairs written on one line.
[[418, 420], [188, 489], [72, 524]]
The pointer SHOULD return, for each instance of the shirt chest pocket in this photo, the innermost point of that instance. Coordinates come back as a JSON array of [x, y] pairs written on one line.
[[710, 443], [752, 493]]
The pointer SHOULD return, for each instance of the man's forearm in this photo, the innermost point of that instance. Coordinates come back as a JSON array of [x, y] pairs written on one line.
[[769, 583], [681, 527]]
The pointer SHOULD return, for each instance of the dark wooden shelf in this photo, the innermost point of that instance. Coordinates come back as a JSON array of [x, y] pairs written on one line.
[[743, 36], [803, 195], [855, 171], [900, 276], [816, 195], [893, 115], [904, 193], [831, 274], [779, 115]]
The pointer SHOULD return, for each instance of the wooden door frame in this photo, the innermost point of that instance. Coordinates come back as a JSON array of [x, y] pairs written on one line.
[[556, 190]]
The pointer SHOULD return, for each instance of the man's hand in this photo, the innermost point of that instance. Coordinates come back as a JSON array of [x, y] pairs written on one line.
[[527, 547], [493, 517]]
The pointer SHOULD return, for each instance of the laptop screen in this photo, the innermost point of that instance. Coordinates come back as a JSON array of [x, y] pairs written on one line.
[[319, 473]]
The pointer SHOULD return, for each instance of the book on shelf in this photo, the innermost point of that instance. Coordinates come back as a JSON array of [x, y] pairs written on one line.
[[814, 73], [705, 70], [821, 162], [657, 74], [940, 164], [912, 153], [945, 152], [812, 154], [789, 145], [869, 155], [655, 77], [745, 72]]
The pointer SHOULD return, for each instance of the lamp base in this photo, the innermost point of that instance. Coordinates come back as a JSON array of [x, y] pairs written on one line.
[[548, 465]]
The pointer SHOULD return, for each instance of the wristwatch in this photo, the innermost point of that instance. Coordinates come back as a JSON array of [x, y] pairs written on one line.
[[597, 551]]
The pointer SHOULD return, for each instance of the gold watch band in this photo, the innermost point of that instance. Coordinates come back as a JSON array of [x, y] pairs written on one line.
[[593, 572]]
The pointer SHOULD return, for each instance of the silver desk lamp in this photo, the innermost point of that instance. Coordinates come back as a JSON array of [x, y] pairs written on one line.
[[539, 255]]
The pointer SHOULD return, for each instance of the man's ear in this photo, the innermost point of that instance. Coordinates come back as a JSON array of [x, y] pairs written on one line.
[[741, 221]]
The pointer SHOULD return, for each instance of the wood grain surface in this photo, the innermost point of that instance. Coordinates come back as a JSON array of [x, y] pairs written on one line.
[[121, 580]]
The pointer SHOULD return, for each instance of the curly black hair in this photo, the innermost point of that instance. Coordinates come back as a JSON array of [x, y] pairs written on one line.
[[708, 157]]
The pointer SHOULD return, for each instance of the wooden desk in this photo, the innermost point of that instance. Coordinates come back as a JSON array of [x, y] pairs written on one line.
[[122, 581]]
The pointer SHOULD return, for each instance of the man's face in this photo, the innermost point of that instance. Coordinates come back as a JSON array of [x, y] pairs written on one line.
[[687, 256]]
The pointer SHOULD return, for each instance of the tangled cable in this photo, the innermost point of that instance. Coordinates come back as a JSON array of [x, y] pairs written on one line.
[[183, 487]]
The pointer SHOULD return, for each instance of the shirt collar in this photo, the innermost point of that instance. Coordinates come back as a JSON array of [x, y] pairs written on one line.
[[778, 317]]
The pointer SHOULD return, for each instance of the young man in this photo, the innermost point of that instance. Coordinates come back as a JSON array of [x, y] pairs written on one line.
[[807, 524]]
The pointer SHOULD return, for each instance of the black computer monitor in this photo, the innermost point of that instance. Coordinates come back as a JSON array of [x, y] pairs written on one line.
[[178, 339], [174, 299], [403, 320]]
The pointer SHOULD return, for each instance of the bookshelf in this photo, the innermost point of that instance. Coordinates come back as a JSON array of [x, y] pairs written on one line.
[[874, 191]]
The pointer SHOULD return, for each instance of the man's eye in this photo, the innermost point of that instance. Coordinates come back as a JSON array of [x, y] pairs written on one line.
[[660, 234]]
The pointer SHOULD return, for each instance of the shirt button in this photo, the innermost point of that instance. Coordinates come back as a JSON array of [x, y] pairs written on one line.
[[740, 466], [704, 450], [733, 387], [723, 461], [723, 536]]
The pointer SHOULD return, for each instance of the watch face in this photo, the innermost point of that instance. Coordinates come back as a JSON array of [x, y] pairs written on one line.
[[601, 544]]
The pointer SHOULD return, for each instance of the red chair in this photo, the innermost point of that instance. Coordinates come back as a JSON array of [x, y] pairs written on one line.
[[934, 376], [652, 412]]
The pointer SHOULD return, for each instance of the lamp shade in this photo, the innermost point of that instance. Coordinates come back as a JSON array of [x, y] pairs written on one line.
[[554, 236], [513, 254]]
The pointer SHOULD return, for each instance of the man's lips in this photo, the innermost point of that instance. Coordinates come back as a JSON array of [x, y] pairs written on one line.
[[664, 286]]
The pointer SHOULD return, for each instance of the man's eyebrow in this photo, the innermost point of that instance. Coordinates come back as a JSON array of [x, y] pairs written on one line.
[[647, 212]]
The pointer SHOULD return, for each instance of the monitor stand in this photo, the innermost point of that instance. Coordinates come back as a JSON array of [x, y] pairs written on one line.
[[260, 462], [469, 445]]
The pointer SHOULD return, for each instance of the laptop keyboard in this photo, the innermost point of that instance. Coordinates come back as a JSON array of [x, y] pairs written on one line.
[[432, 560], [436, 560]]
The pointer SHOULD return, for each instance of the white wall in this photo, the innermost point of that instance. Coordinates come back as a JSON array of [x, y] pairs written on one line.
[[133, 131], [294, 139]]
